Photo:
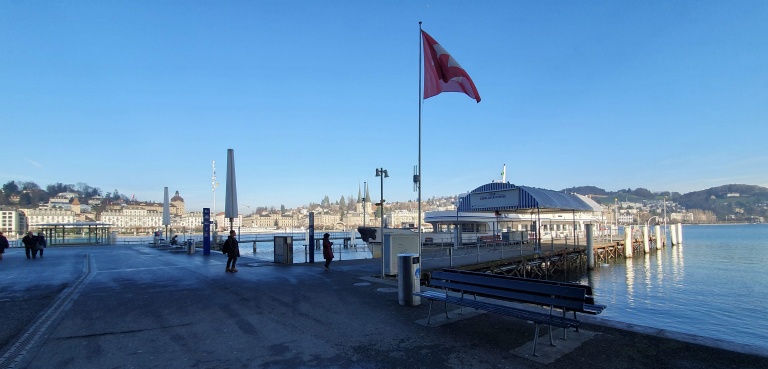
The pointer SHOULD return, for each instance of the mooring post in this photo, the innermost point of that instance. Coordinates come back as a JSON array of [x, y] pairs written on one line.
[[680, 233], [646, 246], [628, 249], [590, 248], [673, 233], [659, 241]]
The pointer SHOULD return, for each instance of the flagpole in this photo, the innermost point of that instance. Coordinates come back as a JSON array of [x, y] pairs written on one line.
[[418, 180]]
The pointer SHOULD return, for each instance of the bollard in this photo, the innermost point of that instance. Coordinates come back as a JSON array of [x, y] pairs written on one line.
[[590, 248], [254, 247], [646, 246], [628, 242], [673, 234], [659, 241]]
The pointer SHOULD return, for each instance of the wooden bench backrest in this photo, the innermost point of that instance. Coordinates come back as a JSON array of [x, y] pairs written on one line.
[[587, 288], [516, 290]]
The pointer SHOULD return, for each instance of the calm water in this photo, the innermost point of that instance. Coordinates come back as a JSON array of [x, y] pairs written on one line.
[[714, 285]]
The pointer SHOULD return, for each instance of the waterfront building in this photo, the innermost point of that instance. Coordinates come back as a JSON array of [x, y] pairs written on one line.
[[48, 215], [401, 219], [223, 222], [13, 222], [190, 221], [135, 217]]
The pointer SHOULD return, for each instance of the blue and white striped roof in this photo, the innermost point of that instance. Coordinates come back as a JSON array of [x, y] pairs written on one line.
[[530, 198]]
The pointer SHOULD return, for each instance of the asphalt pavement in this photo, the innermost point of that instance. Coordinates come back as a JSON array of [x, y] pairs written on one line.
[[139, 307]]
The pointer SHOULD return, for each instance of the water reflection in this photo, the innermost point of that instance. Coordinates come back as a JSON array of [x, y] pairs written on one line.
[[630, 279]]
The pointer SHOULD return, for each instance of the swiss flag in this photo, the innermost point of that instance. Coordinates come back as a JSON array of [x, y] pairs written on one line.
[[442, 73]]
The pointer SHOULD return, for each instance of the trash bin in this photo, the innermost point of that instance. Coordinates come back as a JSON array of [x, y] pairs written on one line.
[[408, 279], [284, 249], [190, 247]]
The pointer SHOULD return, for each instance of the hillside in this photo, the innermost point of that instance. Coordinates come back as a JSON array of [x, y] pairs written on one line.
[[734, 202]]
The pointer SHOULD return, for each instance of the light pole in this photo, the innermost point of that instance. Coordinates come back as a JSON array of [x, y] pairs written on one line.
[[365, 190], [382, 173]]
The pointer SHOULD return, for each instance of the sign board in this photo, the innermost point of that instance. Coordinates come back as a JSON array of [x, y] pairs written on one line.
[[492, 200], [206, 231]]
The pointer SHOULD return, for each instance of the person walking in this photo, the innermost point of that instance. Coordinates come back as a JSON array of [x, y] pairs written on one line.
[[40, 243], [327, 250], [3, 245], [232, 250], [29, 244]]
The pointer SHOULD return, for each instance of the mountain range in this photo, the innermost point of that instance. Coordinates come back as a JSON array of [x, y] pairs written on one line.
[[739, 202]]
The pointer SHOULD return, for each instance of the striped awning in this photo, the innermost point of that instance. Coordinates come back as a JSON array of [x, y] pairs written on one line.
[[506, 197]]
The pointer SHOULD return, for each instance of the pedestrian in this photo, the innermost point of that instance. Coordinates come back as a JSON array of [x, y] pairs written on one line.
[[232, 250], [327, 250], [29, 244], [40, 243], [3, 245]]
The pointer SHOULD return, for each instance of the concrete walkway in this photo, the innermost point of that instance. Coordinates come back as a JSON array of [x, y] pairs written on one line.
[[138, 307]]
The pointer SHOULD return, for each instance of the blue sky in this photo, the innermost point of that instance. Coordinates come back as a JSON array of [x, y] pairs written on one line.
[[313, 96]]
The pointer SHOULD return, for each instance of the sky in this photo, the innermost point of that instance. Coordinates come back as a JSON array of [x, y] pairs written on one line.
[[313, 96]]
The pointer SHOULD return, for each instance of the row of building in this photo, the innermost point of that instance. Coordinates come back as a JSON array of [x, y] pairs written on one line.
[[147, 217]]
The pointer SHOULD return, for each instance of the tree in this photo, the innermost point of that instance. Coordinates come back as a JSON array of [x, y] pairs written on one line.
[[342, 202], [29, 186], [115, 195], [10, 188], [282, 209]]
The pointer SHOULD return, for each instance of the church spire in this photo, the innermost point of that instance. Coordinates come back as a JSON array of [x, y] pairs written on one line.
[[359, 199]]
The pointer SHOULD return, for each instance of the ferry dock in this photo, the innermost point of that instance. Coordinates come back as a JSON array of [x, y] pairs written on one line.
[[131, 306]]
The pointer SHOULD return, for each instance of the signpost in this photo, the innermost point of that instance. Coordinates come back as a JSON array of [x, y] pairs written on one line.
[[206, 231]]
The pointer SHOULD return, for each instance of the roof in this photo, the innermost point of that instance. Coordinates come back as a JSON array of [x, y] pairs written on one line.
[[506, 197]]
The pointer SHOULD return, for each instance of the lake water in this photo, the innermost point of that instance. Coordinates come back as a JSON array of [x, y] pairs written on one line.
[[713, 285]]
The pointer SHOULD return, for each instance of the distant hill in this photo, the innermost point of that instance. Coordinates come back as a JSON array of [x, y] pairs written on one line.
[[602, 196], [737, 201]]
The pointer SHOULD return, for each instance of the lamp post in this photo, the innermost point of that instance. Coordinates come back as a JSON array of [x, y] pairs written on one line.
[[382, 173], [365, 188]]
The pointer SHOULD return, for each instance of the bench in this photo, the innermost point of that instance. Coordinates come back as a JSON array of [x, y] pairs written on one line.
[[589, 301], [497, 292]]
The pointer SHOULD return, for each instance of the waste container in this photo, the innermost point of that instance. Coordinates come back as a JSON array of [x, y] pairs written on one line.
[[284, 249], [408, 279], [190, 247]]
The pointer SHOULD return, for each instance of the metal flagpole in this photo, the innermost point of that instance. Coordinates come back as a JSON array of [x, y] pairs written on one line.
[[417, 180]]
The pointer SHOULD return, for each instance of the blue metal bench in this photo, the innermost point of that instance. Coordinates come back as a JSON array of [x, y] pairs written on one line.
[[496, 292]]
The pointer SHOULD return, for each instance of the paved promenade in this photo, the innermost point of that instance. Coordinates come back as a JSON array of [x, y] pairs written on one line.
[[139, 307]]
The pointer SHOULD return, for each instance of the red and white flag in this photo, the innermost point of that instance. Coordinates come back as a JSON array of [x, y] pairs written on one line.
[[442, 73]]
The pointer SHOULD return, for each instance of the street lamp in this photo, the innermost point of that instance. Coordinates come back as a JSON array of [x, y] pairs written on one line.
[[365, 190], [382, 173]]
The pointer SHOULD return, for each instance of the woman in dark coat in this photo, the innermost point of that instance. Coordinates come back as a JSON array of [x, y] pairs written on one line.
[[3, 245], [327, 250], [40, 243], [232, 249]]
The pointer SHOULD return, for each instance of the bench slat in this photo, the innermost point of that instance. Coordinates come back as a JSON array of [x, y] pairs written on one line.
[[522, 285], [587, 288], [540, 318]]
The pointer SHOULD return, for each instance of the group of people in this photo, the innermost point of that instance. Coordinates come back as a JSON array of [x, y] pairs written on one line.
[[34, 244], [232, 250]]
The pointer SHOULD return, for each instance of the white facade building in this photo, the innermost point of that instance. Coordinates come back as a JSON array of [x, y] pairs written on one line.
[[48, 215], [133, 217], [12, 222]]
